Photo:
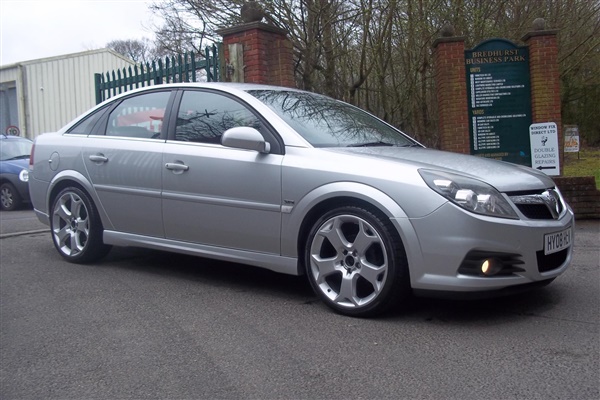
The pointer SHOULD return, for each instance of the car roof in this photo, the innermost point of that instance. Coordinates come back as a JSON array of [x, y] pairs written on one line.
[[231, 87], [228, 85], [12, 137]]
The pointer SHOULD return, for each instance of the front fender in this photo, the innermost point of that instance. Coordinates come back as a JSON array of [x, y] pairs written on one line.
[[292, 220]]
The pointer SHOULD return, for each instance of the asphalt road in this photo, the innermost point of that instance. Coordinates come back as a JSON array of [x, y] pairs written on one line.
[[144, 324]]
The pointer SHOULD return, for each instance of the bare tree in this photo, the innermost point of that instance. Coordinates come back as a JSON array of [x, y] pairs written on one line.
[[189, 25], [377, 53], [138, 50]]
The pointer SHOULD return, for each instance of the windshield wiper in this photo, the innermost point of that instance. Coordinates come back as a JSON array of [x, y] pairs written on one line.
[[18, 157], [412, 145], [371, 144]]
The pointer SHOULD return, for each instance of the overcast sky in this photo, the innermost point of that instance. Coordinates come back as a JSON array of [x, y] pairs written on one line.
[[32, 29]]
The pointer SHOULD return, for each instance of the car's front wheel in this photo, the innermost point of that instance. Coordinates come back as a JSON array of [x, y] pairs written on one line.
[[76, 227], [9, 197], [356, 262]]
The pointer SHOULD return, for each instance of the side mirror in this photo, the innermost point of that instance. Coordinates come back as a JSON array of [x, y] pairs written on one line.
[[247, 138]]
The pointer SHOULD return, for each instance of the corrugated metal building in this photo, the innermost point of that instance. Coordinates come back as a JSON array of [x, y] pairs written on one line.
[[43, 95]]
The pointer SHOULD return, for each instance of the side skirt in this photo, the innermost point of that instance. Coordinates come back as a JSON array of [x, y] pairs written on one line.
[[276, 263]]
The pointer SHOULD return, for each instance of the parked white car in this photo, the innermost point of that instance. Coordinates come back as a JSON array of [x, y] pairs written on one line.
[[300, 184]]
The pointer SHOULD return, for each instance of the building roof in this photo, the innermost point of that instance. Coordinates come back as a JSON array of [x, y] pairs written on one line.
[[66, 56]]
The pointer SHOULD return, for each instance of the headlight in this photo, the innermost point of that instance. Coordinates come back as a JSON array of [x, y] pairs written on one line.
[[471, 194], [24, 175]]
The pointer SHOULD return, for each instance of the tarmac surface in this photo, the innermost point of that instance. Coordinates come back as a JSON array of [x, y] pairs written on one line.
[[144, 324]]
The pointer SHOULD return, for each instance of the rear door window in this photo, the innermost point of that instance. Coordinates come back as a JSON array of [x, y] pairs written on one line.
[[139, 116]]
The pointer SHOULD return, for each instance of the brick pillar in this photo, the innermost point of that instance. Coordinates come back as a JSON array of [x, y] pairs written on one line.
[[451, 91], [545, 80], [267, 53]]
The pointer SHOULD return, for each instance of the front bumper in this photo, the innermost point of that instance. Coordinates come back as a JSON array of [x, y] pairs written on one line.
[[443, 239], [23, 189]]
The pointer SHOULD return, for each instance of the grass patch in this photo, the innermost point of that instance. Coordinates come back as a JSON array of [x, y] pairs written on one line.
[[588, 164]]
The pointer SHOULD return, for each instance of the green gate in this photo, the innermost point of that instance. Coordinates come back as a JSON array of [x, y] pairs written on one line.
[[183, 68]]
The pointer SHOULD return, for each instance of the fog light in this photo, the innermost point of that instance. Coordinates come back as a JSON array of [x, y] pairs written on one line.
[[490, 267]]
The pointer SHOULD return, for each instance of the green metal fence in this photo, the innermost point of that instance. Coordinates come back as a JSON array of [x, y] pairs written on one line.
[[183, 68]]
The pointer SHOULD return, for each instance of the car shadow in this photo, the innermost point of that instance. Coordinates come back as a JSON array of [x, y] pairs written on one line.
[[533, 303], [238, 277], [288, 288]]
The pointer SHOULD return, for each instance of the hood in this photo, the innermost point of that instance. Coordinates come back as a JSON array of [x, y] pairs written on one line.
[[14, 166], [504, 176]]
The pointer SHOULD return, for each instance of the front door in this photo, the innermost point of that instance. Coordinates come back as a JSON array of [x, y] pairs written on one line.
[[216, 195]]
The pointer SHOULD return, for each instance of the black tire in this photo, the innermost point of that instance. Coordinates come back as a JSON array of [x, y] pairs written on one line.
[[76, 228], [10, 199], [356, 263]]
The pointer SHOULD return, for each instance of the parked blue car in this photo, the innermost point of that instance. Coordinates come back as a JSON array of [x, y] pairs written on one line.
[[14, 171]]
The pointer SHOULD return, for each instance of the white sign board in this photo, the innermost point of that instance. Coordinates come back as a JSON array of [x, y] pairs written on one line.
[[571, 139], [544, 148]]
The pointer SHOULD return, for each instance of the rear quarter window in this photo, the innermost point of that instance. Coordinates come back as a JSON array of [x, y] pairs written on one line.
[[86, 125]]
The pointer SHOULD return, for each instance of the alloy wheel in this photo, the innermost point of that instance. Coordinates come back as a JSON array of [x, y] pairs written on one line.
[[348, 261], [70, 224], [9, 197], [6, 197]]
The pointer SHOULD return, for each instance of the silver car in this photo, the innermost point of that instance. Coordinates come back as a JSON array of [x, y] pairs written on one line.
[[297, 183]]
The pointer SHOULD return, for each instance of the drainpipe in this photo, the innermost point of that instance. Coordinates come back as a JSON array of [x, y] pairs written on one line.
[[23, 110]]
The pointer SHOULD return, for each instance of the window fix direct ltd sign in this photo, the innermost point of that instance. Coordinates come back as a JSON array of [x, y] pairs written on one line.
[[544, 148]]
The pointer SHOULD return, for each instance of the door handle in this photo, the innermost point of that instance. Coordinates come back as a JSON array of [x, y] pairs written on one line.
[[98, 158], [176, 167]]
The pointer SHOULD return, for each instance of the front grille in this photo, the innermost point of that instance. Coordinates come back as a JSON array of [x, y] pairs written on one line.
[[551, 261], [540, 205], [535, 211]]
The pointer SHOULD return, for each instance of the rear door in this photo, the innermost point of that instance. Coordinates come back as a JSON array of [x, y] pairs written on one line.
[[124, 162]]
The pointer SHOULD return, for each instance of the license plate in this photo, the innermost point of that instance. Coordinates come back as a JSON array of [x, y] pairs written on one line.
[[557, 241]]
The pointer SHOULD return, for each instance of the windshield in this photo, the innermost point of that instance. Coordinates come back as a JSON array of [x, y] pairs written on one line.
[[14, 149], [325, 122]]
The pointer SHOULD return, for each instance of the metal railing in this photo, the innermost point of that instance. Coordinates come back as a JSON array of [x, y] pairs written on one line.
[[182, 68]]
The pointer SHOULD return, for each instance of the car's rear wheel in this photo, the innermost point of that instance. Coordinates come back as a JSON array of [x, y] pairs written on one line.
[[76, 227], [356, 262], [10, 199]]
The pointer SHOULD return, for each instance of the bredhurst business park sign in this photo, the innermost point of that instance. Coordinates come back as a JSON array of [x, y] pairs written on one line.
[[499, 101]]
